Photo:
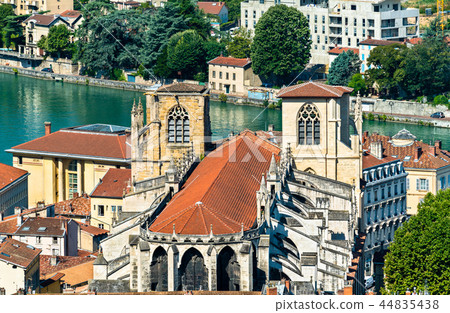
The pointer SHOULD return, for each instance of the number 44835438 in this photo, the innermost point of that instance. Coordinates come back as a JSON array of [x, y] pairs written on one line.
[[410, 304]]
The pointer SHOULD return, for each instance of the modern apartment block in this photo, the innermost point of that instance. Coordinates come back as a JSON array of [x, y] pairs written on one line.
[[340, 22], [49, 6]]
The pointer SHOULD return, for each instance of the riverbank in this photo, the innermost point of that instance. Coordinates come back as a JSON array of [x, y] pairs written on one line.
[[408, 119], [130, 86]]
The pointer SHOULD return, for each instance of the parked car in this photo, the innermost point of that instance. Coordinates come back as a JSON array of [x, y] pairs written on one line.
[[47, 69], [437, 115]]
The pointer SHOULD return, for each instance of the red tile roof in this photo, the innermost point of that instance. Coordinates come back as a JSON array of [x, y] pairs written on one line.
[[63, 262], [369, 160], [378, 42], [34, 226], [313, 90], [9, 174], [211, 7], [95, 231], [182, 87], [229, 61], [71, 13], [339, 50], [52, 279], [17, 253], [414, 41], [78, 143], [113, 184], [8, 227], [42, 19], [427, 158], [79, 206], [221, 191]]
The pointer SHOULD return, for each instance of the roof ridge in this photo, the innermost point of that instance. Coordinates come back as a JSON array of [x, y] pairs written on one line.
[[193, 211], [215, 213], [325, 87]]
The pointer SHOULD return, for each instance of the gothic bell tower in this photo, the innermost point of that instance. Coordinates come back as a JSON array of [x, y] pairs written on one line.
[[177, 124]]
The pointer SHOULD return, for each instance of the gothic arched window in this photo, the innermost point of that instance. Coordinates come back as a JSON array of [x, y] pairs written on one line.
[[308, 125], [178, 125]]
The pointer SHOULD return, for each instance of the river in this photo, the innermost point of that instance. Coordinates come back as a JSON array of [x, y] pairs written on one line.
[[26, 103]]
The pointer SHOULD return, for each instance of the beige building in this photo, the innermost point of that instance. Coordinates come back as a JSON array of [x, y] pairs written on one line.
[[107, 197], [231, 76], [428, 166], [316, 127], [70, 162], [19, 266], [22, 7]]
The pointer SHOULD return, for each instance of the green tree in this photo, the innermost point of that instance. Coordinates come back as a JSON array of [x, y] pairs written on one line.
[[343, 68], [12, 32], [194, 17], [281, 46], [58, 40], [386, 68], [186, 53], [234, 9], [6, 10], [421, 249], [358, 83], [427, 67], [240, 45], [214, 48]]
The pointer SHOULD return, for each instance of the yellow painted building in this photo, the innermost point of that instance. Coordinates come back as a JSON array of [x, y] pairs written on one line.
[[71, 161], [107, 198]]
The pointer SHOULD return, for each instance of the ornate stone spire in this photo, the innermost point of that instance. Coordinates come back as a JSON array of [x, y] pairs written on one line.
[[133, 109], [263, 186], [273, 171], [140, 109]]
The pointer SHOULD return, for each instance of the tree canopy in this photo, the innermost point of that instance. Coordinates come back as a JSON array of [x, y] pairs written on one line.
[[281, 45], [343, 68], [420, 253], [239, 45], [58, 40], [186, 53]]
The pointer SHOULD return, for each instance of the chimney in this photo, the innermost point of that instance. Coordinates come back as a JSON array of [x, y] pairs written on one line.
[[18, 212], [433, 150], [270, 128], [48, 128], [53, 260], [438, 144], [1, 216], [417, 153], [376, 149]]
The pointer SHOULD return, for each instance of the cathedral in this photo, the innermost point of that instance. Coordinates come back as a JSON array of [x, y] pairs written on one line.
[[239, 214]]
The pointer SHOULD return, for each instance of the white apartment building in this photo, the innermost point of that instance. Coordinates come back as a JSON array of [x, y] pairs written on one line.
[[342, 22], [384, 208]]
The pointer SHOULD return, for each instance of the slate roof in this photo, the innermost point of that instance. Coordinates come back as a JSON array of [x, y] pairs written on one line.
[[9, 174], [77, 143], [113, 184], [427, 158], [79, 206], [229, 61], [221, 191], [211, 7], [313, 90], [17, 253], [182, 88]]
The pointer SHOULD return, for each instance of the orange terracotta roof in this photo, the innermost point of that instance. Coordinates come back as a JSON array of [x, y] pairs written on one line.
[[313, 90], [378, 42], [211, 7], [63, 262], [8, 227], [370, 161], [95, 231], [80, 206], [113, 184], [78, 143], [339, 50], [52, 279], [17, 253], [427, 158], [9, 174], [414, 41], [221, 191], [77, 274], [229, 61], [71, 13]]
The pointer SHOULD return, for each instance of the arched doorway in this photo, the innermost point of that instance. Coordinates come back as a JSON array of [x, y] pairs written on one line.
[[158, 270], [193, 274], [228, 271]]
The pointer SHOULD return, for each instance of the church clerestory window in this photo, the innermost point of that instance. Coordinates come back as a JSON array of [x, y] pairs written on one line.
[[178, 125], [308, 125]]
